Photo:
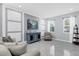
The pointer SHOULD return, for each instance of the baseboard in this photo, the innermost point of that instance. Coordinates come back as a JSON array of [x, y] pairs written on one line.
[[63, 40]]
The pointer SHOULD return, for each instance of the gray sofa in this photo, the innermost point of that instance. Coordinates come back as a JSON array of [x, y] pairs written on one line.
[[16, 49]]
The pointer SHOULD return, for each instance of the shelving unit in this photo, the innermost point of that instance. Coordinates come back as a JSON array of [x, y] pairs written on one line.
[[76, 35]]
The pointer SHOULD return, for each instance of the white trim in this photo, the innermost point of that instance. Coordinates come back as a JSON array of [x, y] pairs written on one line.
[[3, 21], [22, 26], [72, 24]]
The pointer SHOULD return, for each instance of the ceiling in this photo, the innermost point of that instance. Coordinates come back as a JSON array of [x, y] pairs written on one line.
[[45, 10]]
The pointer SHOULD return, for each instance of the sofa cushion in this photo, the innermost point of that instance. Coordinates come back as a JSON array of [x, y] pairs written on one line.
[[17, 50], [4, 51], [9, 44], [8, 39], [32, 52]]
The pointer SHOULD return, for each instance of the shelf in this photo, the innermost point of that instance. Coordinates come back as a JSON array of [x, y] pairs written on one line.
[[76, 43], [75, 33], [75, 37]]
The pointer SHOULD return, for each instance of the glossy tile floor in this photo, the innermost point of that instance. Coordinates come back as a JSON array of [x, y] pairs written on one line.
[[55, 48]]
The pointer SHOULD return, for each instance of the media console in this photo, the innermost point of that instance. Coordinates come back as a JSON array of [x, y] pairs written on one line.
[[33, 37]]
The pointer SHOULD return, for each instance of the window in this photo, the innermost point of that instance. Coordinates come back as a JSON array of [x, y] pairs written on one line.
[[51, 26], [66, 24], [14, 24]]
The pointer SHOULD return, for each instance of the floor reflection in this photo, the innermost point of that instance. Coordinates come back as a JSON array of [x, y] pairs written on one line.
[[66, 53], [64, 49], [55, 48]]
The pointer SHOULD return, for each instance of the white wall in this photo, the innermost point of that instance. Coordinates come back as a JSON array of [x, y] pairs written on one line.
[[42, 26], [0, 20]]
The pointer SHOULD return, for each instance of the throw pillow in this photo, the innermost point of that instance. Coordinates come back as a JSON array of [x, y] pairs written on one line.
[[5, 39], [17, 50], [9, 44], [8, 39]]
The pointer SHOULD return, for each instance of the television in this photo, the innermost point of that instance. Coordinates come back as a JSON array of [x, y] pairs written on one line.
[[32, 24]]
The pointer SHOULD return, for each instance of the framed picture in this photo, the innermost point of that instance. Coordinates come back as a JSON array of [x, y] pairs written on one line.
[[32, 24]]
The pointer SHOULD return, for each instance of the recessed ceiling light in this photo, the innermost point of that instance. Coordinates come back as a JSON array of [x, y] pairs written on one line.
[[19, 6], [71, 9]]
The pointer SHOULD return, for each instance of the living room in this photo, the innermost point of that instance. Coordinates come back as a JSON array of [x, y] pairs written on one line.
[[43, 29]]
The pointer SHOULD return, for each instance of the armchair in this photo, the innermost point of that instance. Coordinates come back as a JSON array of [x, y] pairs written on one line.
[[47, 36]]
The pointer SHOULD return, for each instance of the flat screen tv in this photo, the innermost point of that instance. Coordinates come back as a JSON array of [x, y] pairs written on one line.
[[32, 24]]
